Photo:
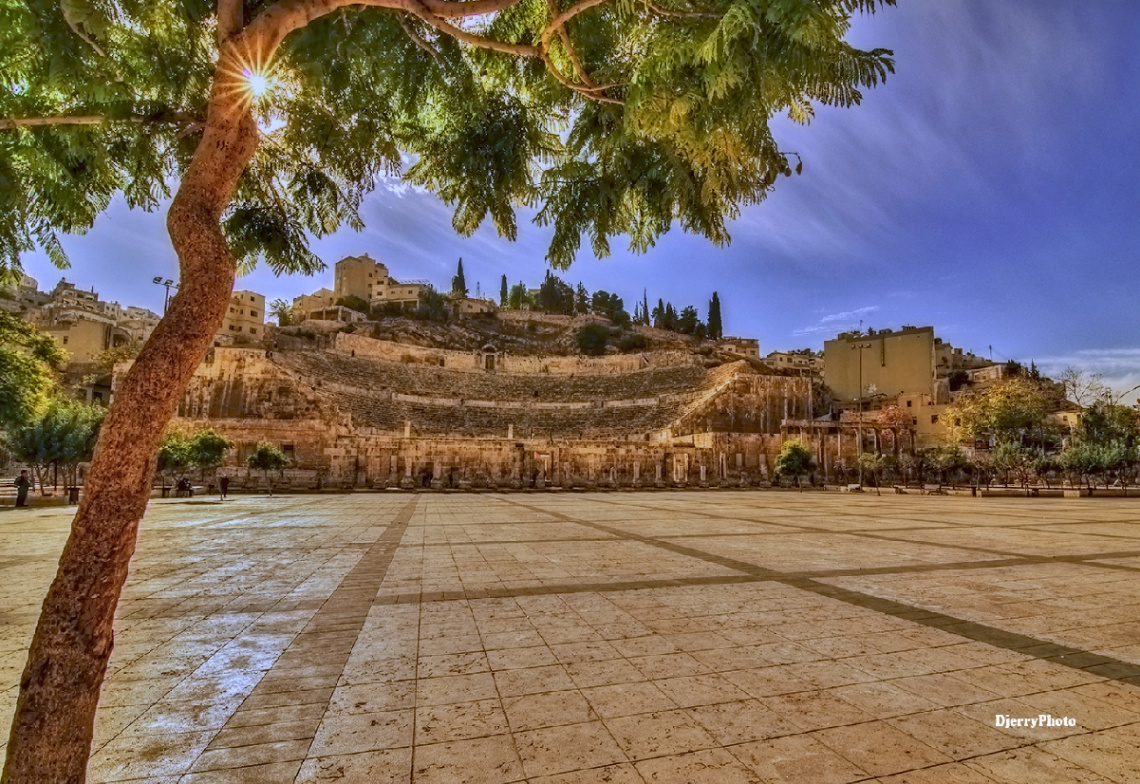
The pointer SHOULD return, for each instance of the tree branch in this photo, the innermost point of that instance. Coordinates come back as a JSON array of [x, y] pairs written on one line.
[[9, 123], [231, 19], [416, 39], [679, 14]]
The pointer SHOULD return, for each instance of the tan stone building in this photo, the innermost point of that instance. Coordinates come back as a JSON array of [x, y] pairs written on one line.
[[83, 334], [889, 363], [245, 317], [795, 363], [319, 300], [368, 279], [745, 347]]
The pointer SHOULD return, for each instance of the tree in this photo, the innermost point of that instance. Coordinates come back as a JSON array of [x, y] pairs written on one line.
[[265, 458], [1012, 411], [432, 306], [581, 300], [173, 456], [353, 302], [716, 330], [207, 449], [1083, 388], [28, 361], [688, 320], [62, 435], [458, 282], [275, 118], [794, 461], [519, 296], [555, 296], [644, 308], [592, 339], [282, 311], [503, 292]]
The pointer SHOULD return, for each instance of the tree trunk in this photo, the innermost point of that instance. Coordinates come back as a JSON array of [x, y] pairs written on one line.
[[51, 732]]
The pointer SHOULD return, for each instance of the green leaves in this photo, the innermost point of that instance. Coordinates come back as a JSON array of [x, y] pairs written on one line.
[[362, 93], [28, 359]]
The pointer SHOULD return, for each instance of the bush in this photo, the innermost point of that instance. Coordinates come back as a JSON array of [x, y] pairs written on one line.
[[592, 339], [633, 341]]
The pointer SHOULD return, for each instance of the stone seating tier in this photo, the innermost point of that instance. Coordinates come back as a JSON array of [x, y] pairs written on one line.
[[371, 391], [420, 380]]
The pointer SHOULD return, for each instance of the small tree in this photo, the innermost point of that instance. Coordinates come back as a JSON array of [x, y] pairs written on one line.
[[207, 449], [63, 435], [28, 361], [282, 311], [174, 458], [592, 339], [504, 292], [353, 302], [1010, 456], [794, 461], [519, 296], [265, 458], [458, 282], [715, 329]]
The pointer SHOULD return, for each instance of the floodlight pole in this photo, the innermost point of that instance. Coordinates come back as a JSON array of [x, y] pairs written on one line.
[[859, 452], [168, 283]]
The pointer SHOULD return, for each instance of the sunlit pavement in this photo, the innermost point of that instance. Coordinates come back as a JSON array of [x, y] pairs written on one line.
[[623, 637]]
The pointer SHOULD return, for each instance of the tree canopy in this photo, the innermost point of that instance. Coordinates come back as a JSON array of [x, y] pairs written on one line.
[[28, 359], [612, 118]]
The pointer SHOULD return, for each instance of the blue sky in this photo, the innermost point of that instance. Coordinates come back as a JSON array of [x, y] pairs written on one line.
[[989, 189]]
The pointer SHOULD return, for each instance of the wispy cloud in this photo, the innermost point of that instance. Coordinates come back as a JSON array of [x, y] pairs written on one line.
[[837, 322], [1118, 367]]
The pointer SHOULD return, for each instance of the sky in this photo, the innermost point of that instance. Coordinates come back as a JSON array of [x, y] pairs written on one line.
[[989, 189]]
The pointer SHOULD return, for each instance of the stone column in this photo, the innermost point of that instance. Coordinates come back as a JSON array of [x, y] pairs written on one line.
[[437, 475], [407, 481], [407, 428], [510, 432]]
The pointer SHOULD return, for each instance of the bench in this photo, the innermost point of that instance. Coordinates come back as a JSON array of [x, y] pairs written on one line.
[[929, 489]]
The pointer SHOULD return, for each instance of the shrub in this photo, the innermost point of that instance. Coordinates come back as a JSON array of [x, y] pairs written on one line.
[[592, 339], [633, 341]]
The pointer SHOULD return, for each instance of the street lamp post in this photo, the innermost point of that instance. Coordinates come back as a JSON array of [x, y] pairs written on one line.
[[168, 283], [859, 452]]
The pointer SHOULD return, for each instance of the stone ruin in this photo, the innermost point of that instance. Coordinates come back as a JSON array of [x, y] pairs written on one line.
[[361, 412]]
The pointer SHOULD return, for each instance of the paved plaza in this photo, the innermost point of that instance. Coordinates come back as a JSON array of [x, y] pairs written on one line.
[[708, 636]]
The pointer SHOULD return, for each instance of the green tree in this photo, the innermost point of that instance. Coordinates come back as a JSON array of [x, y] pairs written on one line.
[[266, 458], [275, 118], [519, 296], [62, 435], [207, 449], [1012, 411], [688, 320], [458, 282], [555, 296], [644, 308], [282, 311], [503, 292], [432, 306], [28, 362], [581, 300], [592, 339], [795, 460], [353, 302], [716, 328], [173, 460]]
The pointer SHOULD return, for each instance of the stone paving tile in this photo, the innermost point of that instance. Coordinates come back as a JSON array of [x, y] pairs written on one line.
[[614, 637]]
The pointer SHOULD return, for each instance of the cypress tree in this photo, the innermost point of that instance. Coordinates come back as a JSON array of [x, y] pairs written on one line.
[[503, 292], [458, 284], [716, 329]]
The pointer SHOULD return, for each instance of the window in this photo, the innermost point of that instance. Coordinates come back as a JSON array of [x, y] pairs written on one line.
[[238, 329], [908, 403], [252, 331], [253, 313], [934, 419], [65, 340], [231, 327]]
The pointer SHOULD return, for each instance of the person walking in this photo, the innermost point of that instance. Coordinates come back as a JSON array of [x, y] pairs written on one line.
[[224, 484], [23, 484]]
